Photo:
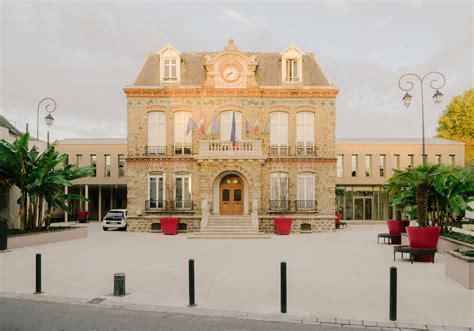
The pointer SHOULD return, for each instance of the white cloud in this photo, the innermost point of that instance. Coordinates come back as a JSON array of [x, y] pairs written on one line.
[[381, 22], [235, 15]]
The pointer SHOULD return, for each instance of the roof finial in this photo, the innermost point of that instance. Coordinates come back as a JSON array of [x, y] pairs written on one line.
[[230, 45]]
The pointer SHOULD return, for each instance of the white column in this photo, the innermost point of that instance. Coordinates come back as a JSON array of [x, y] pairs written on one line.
[[86, 193], [100, 204], [67, 204]]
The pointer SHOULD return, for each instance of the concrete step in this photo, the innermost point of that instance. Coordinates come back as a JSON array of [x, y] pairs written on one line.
[[201, 235], [246, 230], [230, 224]]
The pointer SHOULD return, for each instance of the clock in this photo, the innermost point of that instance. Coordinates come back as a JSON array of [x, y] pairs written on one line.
[[230, 74]]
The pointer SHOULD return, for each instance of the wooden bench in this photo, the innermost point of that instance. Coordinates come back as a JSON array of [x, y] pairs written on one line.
[[388, 236], [414, 251]]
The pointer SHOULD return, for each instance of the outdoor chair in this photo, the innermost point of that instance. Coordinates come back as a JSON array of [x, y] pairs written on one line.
[[414, 251], [392, 238]]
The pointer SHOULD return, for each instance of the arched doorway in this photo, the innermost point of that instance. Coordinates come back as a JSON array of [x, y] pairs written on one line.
[[231, 195]]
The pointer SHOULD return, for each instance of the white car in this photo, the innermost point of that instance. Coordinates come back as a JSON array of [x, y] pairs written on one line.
[[115, 219]]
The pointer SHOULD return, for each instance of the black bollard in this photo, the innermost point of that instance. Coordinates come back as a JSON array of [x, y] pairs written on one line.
[[192, 299], [283, 286], [393, 293], [3, 234], [38, 274], [119, 284]]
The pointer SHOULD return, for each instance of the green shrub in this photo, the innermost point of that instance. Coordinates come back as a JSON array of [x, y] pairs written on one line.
[[468, 253], [459, 236]]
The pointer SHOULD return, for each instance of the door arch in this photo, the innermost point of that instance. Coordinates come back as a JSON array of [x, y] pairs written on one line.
[[231, 195]]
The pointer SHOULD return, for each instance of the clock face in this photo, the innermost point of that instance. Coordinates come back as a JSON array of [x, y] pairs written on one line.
[[231, 74]]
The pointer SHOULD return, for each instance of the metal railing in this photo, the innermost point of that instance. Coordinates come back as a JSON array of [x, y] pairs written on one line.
[[155, 150], [168, 205], [279, 151], [279, 205], [306, 205], [182, 150], [305, 150]]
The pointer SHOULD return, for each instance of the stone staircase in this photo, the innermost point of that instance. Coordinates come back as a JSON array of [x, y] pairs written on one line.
[[228, 227]]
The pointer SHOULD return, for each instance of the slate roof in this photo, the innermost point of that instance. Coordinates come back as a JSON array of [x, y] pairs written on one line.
[[6, 124], [268, 71]]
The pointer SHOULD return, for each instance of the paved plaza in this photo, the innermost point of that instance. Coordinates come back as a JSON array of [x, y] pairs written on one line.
[[344, 274]]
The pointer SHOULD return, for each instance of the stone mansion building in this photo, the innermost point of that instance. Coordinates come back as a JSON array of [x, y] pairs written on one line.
[[231, 135]]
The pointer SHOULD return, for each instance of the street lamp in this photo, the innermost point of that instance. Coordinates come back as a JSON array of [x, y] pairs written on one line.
[[50, 106], [437, 81]]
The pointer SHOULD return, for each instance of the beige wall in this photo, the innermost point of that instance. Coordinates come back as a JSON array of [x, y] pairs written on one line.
[[445, 149], [86, 149]]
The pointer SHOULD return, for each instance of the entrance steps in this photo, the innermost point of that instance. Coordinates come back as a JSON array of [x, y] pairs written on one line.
[[229, 227]]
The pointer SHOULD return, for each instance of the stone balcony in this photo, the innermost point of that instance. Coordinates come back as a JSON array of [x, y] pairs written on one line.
[[227, 149]]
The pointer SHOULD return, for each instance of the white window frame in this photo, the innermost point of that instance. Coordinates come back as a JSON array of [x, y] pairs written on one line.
[[167, 55], [181, 204], [168, 65], [368, 165], [340, 165], [156, 124], [382, 165], [157, 176], [292, 65], [279, 133], [276, 187], [306, 191], [305, 133], [354, 167], [182, 141]]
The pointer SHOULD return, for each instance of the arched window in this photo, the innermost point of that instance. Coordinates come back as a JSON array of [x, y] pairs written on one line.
[[279, 134], [182, 138], [226, 125], [305, 133], [156, 133]]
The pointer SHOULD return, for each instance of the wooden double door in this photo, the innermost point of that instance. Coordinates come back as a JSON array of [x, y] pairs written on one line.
[[231, 195]]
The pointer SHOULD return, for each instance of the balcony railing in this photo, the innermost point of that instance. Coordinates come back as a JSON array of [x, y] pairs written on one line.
[[178, 150], [182, 150], [306, 205], [168, 205], [155, 150], [279, 205], [305, 150], [279, 151], [220, 148]]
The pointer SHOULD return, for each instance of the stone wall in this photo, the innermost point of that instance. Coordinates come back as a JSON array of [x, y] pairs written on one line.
[[267, 225], [144, 223]]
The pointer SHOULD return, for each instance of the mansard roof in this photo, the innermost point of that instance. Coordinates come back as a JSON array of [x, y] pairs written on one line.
[[268, 73]]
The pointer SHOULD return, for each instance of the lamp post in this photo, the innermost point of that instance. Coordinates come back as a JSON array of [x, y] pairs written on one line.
[[405, 83], [50, 106]]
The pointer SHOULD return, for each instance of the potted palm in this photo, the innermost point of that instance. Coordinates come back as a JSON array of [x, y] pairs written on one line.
[[439, 193], [169, 224]]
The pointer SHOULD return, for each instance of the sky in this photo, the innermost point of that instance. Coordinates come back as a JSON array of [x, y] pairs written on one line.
[[83, 53]]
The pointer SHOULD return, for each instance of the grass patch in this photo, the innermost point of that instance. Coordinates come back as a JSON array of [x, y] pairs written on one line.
[[469, 253], [20, 232], [459, 237]]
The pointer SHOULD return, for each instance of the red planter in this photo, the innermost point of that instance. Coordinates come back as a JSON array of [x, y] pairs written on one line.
[[283, 225], [397, 227], [338, 220], [169, 225], [423, 238]]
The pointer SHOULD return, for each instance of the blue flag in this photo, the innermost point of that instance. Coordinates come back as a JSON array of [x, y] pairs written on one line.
[[191, 126], [232, 129]]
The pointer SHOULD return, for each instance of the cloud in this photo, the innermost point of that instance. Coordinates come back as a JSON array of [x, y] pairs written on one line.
[[235, 15], [381, 22]]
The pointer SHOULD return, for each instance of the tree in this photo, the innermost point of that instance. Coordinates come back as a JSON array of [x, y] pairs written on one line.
[[457, 122], [40, 178], [440, 193]]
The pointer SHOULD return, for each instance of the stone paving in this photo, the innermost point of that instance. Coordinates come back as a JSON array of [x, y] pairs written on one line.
[[330, 276]]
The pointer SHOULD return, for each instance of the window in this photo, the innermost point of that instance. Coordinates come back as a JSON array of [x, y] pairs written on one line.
[[452, 159], [226, 125], [340, 165], [382, 165], [279, 134], [156, 191], [396, 161], [438, 158], [411, 160], [66, 160], [183, 191], [78, 159], [279, 191], [171, 69], [94, 164], [107, 165], [156, 133], [368, 165], [121, 165], [354, 161], [182, 141], [305, 192], [291, 70], [305, 134]]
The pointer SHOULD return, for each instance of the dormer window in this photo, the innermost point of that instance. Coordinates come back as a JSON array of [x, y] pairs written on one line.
[[292, 65], [171, 70], [292, 70], [170, 59]]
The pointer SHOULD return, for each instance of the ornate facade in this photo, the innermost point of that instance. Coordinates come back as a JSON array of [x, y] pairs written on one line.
[[231, 133]]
